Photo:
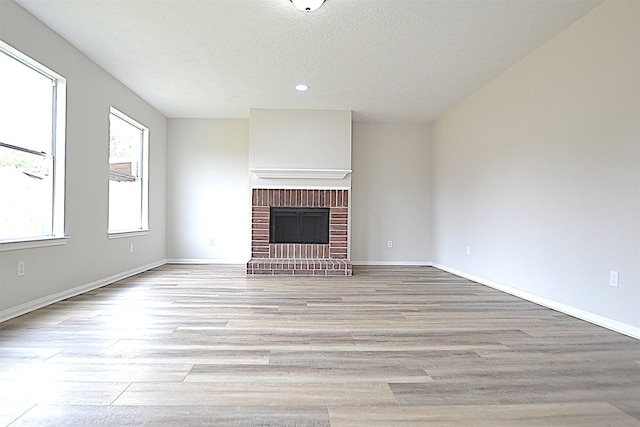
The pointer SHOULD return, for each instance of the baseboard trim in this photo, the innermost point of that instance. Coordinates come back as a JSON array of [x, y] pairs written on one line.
[[598, 320], [392, 263], [229, 261], [27, 307], [235, 261]]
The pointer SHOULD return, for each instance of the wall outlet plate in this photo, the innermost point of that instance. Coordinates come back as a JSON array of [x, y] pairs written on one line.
[[613, 278], [21, 268]]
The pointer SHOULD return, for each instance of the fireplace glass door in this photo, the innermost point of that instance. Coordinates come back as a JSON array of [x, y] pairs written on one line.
[[299, 225]]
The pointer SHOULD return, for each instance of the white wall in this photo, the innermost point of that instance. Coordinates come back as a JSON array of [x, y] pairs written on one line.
[[300, 139], [89, 258], [208, 191], [208, 163], [391, 197], [539, 173]]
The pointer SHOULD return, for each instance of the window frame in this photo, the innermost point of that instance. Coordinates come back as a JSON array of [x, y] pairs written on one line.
[[144, 177], [58, 154]]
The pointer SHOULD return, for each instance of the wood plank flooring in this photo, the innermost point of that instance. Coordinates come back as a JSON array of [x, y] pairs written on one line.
[[391, 346]]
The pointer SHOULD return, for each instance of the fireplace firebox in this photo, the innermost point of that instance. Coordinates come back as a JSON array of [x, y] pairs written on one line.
[[299, 225]]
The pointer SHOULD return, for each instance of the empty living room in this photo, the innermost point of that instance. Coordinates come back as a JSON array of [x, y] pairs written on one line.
[[320, 213]]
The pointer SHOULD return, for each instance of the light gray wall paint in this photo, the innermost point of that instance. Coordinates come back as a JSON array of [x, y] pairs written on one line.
[[208, 190], [391, 197], [299, 139], [539, 171], [89, 256], [208, 171]]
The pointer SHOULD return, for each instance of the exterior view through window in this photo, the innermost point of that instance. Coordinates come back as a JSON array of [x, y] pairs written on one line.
[[31, 149], [128, 142]]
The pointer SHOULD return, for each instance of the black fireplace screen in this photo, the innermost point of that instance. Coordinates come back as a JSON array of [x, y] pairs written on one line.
[[299, 225]]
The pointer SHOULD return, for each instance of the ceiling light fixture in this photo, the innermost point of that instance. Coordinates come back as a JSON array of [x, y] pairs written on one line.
[[307, 5], [302, 87]]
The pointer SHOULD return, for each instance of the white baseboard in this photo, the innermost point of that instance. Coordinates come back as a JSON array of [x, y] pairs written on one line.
[[230, 261], [235, 261], [391, 263], [27, 307], [605, 322]]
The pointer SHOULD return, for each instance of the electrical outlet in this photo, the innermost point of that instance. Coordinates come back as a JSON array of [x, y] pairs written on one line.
[[131, 247], [21, 268], [613, 278], [468, 250], [390, 243], [212, 242]]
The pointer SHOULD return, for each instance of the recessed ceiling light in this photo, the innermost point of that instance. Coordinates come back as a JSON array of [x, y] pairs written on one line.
[[302, 87]]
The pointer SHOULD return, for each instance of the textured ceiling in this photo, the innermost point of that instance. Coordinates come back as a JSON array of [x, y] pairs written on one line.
[[387, 60]]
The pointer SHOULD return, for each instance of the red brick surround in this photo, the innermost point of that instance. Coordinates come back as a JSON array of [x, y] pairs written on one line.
[[300, 259]]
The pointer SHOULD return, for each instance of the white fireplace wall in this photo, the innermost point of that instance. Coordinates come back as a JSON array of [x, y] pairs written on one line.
[[297, 141], [208, 160]]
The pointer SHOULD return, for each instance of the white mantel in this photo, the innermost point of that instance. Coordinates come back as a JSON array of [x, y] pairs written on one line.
[[300, 148], [333, 174]]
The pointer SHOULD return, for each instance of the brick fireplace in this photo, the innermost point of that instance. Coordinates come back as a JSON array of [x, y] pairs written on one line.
[[297, 258]]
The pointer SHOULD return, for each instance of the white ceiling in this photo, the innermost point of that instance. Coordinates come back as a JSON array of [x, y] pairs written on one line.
[[387, 60]]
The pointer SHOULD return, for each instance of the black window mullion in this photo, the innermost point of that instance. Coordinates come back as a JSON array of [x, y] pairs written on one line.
[[25, 150]]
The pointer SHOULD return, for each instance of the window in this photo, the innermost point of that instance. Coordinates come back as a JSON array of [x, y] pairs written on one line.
[[128, 187], [32, 108]]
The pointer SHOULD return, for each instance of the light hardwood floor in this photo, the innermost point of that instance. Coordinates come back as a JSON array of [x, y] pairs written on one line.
[[402, 346]]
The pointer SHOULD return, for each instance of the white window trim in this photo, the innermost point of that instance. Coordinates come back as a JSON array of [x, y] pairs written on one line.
[[144, 209], [58, 236], [40, 242], [123, 234]]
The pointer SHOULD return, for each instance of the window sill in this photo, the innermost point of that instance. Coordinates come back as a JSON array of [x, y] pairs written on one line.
[[39, 242], [123, 234]]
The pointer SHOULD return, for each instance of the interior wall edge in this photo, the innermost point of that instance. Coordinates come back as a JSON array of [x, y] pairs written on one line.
[[212, 261], [595, 319], [39, 303], [393, 263]]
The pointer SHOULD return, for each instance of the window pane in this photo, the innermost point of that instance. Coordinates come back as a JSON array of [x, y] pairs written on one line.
[[125, 141], [124, 205], [32, 100], [126, 190], [26, 106], [26, 195]]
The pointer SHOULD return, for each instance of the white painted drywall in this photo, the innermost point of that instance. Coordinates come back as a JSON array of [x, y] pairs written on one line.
[[208, 191], [391, 198], [208, 161], [539, 171], [299, 139], [89, 258]]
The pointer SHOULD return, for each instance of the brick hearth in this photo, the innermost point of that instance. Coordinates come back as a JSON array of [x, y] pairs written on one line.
[[300, 259]]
